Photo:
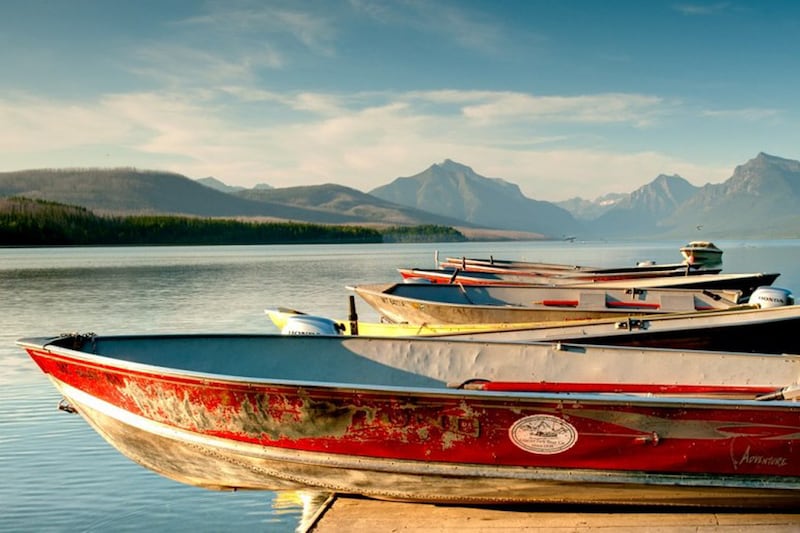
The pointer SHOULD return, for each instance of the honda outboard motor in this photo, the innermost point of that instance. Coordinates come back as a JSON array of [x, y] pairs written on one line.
[[310, 325], [771, 297]]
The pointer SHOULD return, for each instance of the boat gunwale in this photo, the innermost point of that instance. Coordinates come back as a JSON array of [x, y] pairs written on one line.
[[667, 322]]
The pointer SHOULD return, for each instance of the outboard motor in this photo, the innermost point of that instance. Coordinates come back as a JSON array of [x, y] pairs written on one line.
[[768, 296], [310, 325]]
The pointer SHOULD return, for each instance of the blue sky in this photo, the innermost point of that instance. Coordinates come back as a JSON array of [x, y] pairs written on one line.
[[564, 98]]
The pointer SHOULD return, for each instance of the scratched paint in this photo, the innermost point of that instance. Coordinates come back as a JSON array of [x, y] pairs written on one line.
[[258, 416]]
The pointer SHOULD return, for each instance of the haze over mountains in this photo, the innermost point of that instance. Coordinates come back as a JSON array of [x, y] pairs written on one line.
[[759, 200], [649, 206]]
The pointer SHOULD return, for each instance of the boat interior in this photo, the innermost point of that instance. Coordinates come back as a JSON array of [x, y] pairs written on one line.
[[365, 362]]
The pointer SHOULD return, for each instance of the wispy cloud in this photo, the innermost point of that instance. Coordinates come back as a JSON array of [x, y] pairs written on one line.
[[485, 107], [749, 114], [455, 23], [232, 43], [173, 65], [252, 21], [701, 9], [636, 109], [469, 31]]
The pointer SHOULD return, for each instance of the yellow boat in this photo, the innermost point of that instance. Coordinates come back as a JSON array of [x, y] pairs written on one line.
[[281, 317], [764, 325]]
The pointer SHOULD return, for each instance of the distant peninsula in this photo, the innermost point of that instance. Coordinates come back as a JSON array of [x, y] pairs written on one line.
[[29, 222]]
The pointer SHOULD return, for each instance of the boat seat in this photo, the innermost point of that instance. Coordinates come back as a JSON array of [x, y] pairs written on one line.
[[592, 300], [677, 302]]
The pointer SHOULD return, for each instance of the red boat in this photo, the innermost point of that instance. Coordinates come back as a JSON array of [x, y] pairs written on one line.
[[522, 273], [440, 420]]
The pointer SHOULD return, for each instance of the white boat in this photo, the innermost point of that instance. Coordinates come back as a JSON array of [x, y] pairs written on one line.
[[701, 253], [431, 303]]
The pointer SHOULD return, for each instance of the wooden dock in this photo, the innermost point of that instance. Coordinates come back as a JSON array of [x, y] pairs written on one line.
[[356, 515]]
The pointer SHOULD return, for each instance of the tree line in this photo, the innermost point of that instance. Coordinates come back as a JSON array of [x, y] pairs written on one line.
[[27, 222]]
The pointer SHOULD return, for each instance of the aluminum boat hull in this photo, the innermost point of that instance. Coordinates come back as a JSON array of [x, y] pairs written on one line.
[[421, 303]]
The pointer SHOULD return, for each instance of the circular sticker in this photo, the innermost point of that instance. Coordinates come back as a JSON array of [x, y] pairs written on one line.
[[543, 434]]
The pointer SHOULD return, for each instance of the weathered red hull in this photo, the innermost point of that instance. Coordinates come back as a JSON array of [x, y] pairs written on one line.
[[482, 446]]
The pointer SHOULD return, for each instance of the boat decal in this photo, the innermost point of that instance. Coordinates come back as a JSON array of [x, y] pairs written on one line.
[[543, 434], [747, 458]]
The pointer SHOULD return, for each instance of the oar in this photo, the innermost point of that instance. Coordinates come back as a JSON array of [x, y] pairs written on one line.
[[452, 279], [792, 392]]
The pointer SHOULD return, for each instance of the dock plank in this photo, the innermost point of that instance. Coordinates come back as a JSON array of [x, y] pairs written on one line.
[[361, 515]]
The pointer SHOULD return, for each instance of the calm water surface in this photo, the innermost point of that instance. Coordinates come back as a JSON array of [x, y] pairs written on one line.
[[58, 475]]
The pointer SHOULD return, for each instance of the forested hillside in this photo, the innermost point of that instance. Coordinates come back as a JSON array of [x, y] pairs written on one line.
[[25, 222], [131, 191]]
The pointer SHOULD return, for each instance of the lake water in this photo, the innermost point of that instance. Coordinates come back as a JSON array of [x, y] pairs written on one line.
[[57, 474]]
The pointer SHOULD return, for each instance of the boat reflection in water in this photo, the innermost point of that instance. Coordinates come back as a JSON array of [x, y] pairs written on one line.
[[311, 502]]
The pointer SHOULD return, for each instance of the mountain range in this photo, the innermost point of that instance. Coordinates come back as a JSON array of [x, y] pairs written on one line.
[[456, 189], [759, 200]]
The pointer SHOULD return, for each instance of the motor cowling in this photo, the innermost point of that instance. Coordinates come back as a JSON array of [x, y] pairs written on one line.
[[310, 325], [767, 297]]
